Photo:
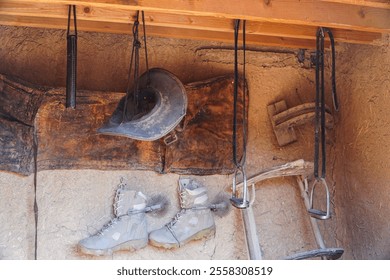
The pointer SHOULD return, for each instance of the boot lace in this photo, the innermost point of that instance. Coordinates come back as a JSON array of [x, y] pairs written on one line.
[[117, 205], [170, 225], [118, 198], [175, 219], [182, 197], [107, 226]]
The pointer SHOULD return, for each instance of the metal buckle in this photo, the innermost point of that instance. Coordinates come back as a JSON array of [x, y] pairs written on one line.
[[170, 138], [240, 202], [318, 213]]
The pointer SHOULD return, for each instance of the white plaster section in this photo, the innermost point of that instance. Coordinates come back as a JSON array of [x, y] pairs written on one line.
[[16, 217], [76, 204]]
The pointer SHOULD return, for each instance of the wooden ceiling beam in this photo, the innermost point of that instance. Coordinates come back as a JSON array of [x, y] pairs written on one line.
[[160, 31], [383, 4], [52, 15], [340, 14]]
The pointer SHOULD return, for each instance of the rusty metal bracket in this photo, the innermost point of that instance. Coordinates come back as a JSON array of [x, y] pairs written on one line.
[[284, 120]]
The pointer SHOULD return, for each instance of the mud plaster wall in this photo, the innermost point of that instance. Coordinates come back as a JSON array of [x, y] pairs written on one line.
[[75, 204], [362, 167]]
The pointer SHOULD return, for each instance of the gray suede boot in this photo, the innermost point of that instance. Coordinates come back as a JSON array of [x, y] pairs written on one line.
[[126, 231], [194, 221]]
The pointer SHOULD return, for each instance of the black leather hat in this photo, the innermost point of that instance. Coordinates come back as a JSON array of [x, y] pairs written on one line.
[[166, 100]]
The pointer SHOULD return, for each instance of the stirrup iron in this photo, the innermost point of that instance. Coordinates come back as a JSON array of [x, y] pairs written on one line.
[[240, 202], [318, 213]]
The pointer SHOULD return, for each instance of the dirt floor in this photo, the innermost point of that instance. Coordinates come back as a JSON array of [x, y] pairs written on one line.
[[76, 203]]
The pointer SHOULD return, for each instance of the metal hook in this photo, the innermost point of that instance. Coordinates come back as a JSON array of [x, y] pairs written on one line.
[[317, 213], [240, 202]]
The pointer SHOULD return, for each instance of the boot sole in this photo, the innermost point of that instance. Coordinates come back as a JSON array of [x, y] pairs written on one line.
[[131, 246], [205, 233]]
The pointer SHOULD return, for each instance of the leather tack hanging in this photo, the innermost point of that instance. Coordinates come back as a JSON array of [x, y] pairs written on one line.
[[320, 121], [237, 200], [156, 104], [71, 62]]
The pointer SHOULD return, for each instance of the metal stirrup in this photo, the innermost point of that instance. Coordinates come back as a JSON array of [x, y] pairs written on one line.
[[317, 213], [240, 202]]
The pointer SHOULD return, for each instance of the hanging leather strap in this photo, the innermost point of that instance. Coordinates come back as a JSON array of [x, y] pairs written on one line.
[[135, 60], [240, 164], [71, 62], [320, 129]]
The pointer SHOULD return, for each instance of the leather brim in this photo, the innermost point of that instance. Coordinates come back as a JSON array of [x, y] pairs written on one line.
[[169, 110]]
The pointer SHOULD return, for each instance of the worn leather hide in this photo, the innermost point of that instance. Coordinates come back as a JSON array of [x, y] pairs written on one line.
[[67, 138]]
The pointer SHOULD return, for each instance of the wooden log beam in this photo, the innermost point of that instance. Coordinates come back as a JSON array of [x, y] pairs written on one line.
[[162, 31], [294, 168], [93, 19], [309, 12], [384, 4], [68, 139], [19, 104]]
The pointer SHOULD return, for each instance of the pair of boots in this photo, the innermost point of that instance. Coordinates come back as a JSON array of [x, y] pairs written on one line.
[[128, 230]]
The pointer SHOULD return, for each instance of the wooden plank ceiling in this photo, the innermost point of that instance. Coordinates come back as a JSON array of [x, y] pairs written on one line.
[[284, 23]]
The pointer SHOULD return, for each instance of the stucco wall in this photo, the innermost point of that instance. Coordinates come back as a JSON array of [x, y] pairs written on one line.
[[75, 203], [362, 169]]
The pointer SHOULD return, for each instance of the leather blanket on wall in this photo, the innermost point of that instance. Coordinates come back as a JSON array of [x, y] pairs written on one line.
[[67, 138]]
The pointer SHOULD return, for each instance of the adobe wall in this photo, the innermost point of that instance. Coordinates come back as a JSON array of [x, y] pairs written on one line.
[[362, 167], [73, 204]]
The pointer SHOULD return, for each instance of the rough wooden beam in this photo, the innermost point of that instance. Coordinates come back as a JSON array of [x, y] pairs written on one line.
[[294, 168], [19, 104], [68, 139], [251, 39], [162, 31], [55, 14], [384, 4], [310, 12]]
